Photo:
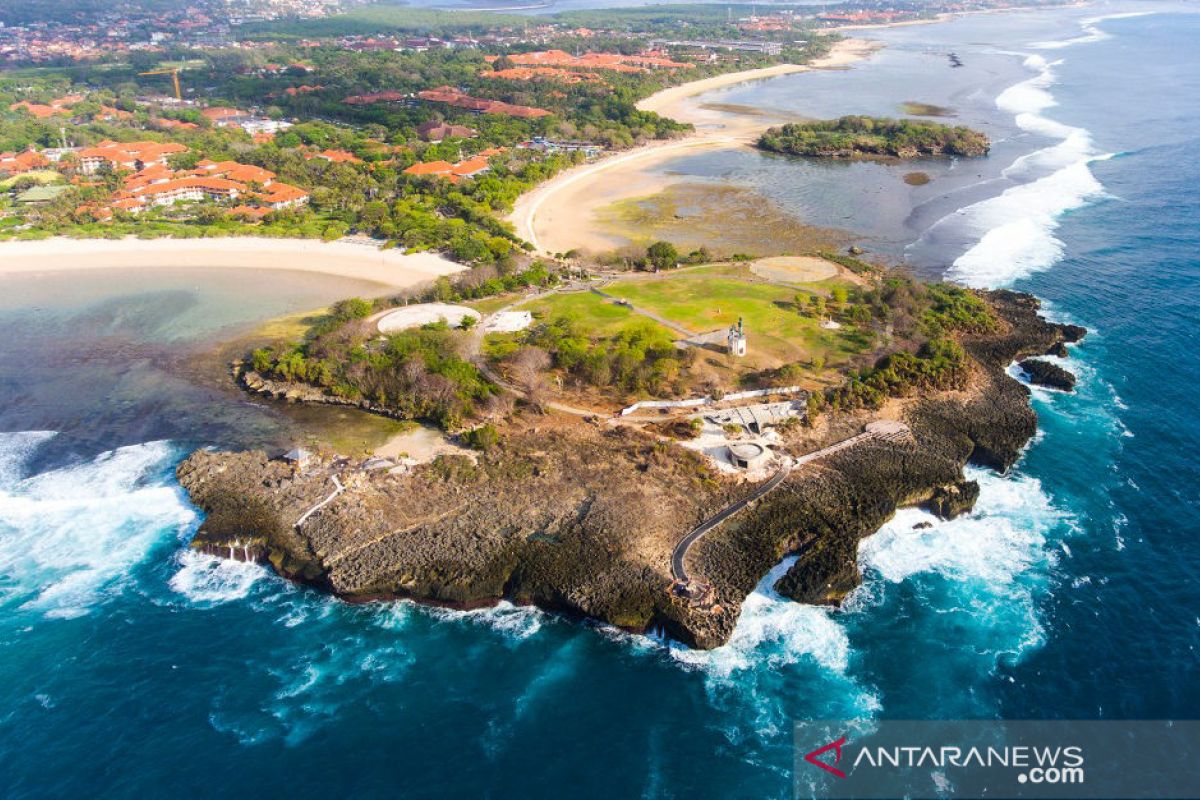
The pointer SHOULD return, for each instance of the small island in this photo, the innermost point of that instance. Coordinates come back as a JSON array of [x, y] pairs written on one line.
[[858, 136]]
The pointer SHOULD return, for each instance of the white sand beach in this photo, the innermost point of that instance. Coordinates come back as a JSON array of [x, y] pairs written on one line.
[[560, 214], [347, 258]]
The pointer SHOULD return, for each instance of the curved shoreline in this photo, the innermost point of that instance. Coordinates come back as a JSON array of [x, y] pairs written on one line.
[[363, 261], [570, 224]]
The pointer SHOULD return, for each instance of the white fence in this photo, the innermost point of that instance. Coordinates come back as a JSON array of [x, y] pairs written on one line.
[[704, 401]]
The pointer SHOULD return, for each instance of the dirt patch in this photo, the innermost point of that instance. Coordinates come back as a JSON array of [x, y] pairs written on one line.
[[794, 269]]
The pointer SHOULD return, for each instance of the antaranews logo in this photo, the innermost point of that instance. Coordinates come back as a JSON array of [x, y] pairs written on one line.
[[979, 759], [814, 757]]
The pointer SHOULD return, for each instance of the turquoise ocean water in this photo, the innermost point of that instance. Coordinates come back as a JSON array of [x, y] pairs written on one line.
[[130, 667]]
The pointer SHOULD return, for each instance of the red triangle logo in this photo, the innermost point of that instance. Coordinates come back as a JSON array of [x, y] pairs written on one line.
[[814, 757]]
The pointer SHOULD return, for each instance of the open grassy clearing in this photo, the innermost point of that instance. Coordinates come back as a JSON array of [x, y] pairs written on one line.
[[777, 331], [600, 317]]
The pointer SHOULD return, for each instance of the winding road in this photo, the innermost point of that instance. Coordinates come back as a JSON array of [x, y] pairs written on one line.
[[677, 555], [886, 430]]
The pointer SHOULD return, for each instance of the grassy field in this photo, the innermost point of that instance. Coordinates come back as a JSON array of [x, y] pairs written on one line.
[[599, 316], [777, 332], [487, 305]]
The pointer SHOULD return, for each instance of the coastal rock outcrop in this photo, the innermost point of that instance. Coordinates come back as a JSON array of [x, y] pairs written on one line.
[[1043, 373], [581, 519]]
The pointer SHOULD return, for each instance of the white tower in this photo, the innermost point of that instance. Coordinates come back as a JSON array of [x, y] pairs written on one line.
[[736, 339]]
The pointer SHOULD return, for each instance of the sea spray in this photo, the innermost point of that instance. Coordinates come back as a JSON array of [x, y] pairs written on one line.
[[70, 536]]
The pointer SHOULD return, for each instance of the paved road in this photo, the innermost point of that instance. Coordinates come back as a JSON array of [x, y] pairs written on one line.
[[677, 569], [886, 430]]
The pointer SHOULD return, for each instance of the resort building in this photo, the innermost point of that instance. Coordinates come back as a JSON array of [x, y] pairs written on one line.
[[453, 97], [467, 168], [16, 163], [434, 131], [126, 155]]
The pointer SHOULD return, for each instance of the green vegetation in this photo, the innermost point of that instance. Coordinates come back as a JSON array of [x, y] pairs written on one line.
[[639, 357], [371, 195], [916, 109], [702, 303], [413, 374], [874, 136]]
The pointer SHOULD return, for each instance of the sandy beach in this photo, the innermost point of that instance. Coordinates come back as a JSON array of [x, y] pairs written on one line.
[[568, 220], [346, 258]]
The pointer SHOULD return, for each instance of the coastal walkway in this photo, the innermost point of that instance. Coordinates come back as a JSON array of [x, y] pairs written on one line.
[[338, 490], [678, 571], [885, 430]]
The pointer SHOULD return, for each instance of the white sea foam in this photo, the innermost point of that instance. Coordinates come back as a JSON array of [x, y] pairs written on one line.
[[997, 554], [1015, 232], [70, 536], [774, 631], [16, 450], [515, 622], [1091, 33], [207, 580], [1002, 539]]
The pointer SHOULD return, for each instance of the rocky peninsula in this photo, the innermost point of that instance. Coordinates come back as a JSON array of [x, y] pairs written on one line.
[[581, 515]]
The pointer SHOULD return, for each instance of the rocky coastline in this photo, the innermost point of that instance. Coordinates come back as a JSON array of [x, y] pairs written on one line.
[[580, 517]]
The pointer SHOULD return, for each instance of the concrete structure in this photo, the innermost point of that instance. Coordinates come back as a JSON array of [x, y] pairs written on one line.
[[508, 322], [757, 418], [425, 314], [298, 458], [736, 340], [747, 455]]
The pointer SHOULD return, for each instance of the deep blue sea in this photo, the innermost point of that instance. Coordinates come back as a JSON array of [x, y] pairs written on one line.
[[132, 668]]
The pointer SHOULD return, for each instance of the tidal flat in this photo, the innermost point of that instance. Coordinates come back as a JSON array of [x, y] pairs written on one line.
[[725, 219]]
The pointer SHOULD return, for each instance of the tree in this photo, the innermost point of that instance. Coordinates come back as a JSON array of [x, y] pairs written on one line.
[[502, 63], [662, 255]]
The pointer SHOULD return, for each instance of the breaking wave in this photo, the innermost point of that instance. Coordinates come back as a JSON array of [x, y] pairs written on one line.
[[70, 536], [1015, 232], [1091, 32], [207, 580]]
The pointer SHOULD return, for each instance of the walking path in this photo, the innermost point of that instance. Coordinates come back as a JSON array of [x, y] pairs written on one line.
[[677, 555], [304, 517], [650, 314], [887, 430]]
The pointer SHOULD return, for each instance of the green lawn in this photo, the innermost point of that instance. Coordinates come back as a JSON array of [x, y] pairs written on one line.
[[487, 305], [777, 332], [601, 317]]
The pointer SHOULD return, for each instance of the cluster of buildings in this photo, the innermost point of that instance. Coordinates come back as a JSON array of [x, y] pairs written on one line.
[[450, 96], [608, 61], [453, 97], [149, 180], [114, 29], [467, 168]]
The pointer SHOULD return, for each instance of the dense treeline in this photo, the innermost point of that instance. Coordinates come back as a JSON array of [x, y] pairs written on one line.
[[424, 373], [876, 136]]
